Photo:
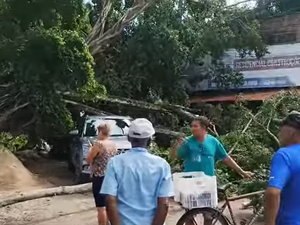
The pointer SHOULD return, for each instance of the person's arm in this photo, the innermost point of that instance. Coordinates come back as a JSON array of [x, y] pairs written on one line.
[[279, 176], [221, 154], [110, 187], [165, 192], [115, 148], [233, 165], [94, 150], [175, 148], [112, 210], [180, 150]]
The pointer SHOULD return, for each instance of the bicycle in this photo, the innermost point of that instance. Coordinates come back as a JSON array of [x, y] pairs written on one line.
[[216, 214]]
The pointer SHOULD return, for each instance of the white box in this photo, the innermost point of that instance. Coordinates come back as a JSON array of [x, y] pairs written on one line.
[[177, 176], [195, 190]]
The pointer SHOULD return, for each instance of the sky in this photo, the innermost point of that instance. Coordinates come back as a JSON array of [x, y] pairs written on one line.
[[251, 3]]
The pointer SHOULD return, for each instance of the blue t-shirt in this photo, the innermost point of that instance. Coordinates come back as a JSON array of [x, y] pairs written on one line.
[[201, 157], [285, 175]]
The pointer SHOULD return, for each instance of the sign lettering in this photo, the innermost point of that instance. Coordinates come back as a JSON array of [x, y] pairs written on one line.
[[267, 63]]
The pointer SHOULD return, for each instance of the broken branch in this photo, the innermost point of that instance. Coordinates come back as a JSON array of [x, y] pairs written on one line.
[[243, 131], [63, 190]]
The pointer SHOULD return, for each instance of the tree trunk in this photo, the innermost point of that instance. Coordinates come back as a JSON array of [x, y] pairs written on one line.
[[49, 192]]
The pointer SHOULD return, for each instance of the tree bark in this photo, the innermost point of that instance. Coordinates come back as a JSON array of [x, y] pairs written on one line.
[[63, 190], [87, 108], [98, 29]]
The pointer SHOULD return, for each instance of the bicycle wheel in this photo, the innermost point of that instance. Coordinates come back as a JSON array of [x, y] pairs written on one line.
[[209, 215]]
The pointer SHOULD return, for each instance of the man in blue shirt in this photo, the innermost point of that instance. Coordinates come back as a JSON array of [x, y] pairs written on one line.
[[138, 184], [282, 206]]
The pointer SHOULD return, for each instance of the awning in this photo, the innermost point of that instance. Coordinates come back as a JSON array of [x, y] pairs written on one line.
[[258, 96]]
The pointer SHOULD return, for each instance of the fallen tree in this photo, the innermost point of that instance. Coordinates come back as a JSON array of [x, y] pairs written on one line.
[[167, 118], [165, 115], [43, 193], [249, 145]]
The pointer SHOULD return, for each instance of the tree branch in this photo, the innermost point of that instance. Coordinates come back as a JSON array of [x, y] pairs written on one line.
[[243, 131], [63, 190], [266, 128], [5, 85], [87, 108], [270, 120], [99, 27], [33, 120], [6, 114], [99, 44], [170, 133]]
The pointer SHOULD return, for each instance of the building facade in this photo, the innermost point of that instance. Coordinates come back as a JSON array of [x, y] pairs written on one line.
[[277, 70], [282, 30]]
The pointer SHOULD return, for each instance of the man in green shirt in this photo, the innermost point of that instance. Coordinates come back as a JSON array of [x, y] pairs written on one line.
[[201, 151]]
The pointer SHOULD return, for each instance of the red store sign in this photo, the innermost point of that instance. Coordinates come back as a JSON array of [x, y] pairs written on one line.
[[282, 62]]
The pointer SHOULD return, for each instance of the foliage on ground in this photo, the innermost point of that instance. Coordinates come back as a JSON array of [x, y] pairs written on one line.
[[12, 143], [251, 145], [258, 143]]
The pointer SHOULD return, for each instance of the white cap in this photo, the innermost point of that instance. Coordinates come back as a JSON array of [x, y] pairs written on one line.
[[141, 128]]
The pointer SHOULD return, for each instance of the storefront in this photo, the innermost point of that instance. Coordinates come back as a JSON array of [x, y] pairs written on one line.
[[280, 69]]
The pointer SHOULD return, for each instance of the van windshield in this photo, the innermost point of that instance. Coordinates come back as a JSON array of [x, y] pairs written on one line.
[[119, 127]]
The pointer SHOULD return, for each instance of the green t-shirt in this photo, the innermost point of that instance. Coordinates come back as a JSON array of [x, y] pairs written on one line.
[[201, 157]]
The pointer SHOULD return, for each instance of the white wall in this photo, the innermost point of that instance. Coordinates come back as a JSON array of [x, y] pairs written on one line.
[[275, 50]]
